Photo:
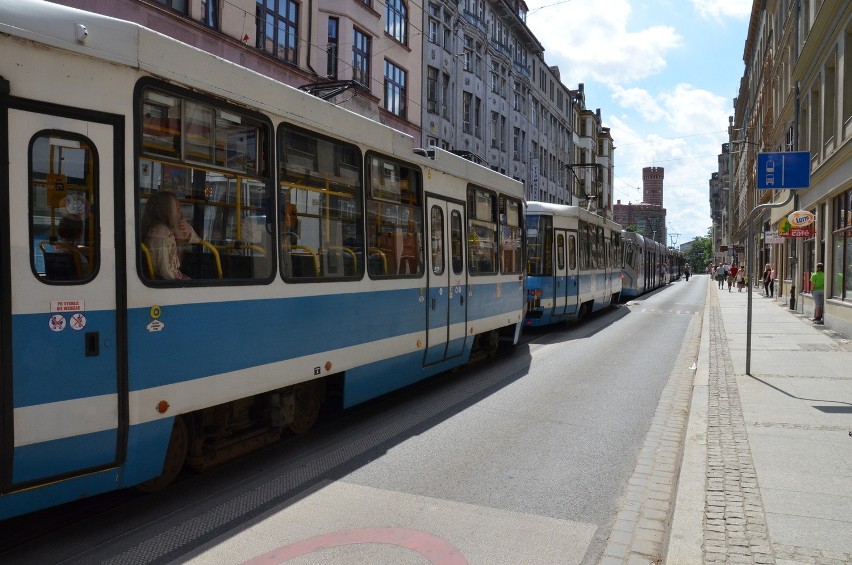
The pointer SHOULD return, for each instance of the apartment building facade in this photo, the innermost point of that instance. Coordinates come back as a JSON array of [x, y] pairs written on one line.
[[796, 95]]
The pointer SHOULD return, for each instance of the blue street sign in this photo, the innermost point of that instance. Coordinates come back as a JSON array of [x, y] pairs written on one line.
[[789, 169]]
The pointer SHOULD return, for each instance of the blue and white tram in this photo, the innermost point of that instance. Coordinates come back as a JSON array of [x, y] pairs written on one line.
[[646, 265], [332, 262], [573, 263]]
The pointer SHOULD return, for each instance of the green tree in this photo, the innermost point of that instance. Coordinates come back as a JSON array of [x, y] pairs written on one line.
[[700, 253]]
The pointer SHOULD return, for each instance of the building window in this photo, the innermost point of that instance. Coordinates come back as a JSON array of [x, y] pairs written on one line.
[[477, 112], [332, 47], [210, 13], [434, 25], [396, 20], [445, 95], [467, 102], [176, 5], [516, 143], [361, 58], [432, 90], [495, 130], [468, 54], [395, 89], [278, 28], [840, 278]]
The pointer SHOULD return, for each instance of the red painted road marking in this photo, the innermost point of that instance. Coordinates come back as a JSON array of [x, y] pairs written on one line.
[[437, 550]]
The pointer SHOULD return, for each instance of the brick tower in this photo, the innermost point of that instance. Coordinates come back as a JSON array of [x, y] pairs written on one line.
[[652, 185]]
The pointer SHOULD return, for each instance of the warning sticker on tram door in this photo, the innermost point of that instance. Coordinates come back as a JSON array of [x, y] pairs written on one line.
[[56, 323], [67, 306], [77, 321]]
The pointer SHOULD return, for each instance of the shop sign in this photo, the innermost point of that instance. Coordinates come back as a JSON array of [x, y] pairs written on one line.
[[800, 232], [770, 237], [800, 218]]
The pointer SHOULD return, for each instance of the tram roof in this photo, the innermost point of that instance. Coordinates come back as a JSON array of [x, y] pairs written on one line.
[[535, 207]]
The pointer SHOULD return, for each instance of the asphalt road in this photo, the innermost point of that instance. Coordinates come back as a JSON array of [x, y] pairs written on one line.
[[520, 459]]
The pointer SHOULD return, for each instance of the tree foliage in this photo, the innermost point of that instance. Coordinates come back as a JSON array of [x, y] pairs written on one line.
[[700, 253]]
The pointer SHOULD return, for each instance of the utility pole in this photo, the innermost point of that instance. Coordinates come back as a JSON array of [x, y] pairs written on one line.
[[673, 237]]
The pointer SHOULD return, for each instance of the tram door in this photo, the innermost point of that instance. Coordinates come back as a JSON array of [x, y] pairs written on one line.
[[59, 372], [446, 309], [566, 293]]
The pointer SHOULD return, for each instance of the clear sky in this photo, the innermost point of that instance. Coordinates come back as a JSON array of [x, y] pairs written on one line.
[[664, 74]]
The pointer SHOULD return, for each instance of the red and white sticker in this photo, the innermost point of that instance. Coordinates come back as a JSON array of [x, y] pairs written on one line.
[[77, 321], [67, 306], [57, 323]]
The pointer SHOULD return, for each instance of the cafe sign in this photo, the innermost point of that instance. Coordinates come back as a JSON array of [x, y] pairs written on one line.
[[801, 232], [797, 224]]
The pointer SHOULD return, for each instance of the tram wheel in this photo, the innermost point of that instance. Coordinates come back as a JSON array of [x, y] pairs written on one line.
[[175, 458], [308, 398]]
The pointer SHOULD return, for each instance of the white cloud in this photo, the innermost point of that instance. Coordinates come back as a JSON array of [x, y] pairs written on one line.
[[640, 100], [598, 45], [693, 110], [718, 9]]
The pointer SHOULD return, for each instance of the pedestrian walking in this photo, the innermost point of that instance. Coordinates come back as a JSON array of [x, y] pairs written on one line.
[[772, 283], [741, 278], [687, 271], [767, 279], [732, 276], [818, 292]]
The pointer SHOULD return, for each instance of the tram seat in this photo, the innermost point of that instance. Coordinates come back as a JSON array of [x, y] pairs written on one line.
[[377, 262], [304, 265], [147, 261], [198, 265], [61, 267], [239, 267], [63, 263], [341, 260]]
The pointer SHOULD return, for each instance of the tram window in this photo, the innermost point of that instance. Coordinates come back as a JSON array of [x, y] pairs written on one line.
[[584, 245], [456, 240], [630, 256], [539, 242], [394, 224], [617, 255], [63, 191], [560, 251], [510, 235], [436, 235], [319, 192], [212, 161], [482, 231], [572, 252]]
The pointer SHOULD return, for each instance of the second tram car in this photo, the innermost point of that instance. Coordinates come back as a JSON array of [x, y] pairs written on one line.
[[648, 264], [574, 261], [329, 260]]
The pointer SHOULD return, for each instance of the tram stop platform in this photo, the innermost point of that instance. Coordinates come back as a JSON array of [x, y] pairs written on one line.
[[766, 474]]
